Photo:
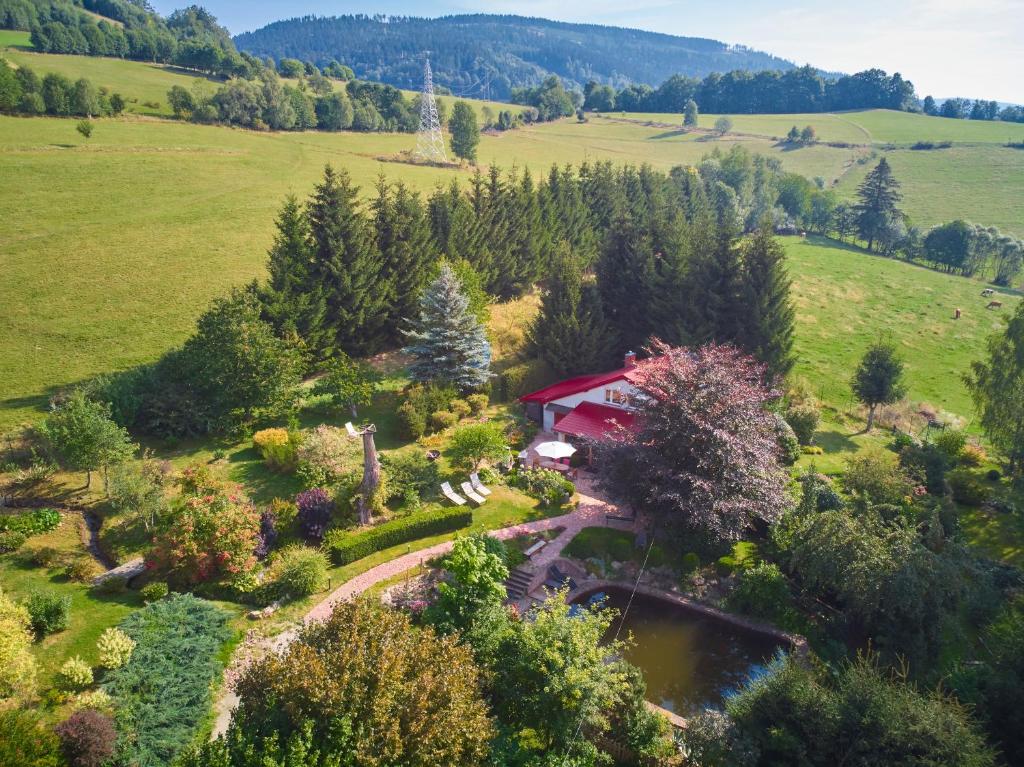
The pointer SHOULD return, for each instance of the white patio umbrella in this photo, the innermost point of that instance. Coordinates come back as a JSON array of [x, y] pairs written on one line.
[[554, 450]]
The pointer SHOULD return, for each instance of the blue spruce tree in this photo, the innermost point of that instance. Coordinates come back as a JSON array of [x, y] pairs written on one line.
[[447, 341]]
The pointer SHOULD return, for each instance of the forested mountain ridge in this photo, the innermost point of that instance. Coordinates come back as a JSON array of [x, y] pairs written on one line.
[[487, 55]]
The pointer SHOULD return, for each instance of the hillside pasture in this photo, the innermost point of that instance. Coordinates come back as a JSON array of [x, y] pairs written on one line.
[[867, 126]]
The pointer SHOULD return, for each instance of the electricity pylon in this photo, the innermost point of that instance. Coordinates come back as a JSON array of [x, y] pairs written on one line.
[[429, 139]]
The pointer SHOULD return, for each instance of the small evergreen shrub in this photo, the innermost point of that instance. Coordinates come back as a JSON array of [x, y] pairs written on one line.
[[993, 475], [478, 403], [314, 513], [902, 440], [87, 738], [154, 592], [951, 442], [461, 408], [348, 547], [285, 516], [411, 421], [299, 571], [267, 538], [94, 699], [690, 563], [443, 419], [48, 612], [75, 675], [973, 456], [789, 445], [115, 648], [278, 447], [812, 450]]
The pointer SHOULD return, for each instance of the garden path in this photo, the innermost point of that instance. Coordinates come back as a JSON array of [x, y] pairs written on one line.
[[590, 511]]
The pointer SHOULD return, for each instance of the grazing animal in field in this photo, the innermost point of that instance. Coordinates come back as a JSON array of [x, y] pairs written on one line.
[[994, 305], [987, 292], [956, 313]]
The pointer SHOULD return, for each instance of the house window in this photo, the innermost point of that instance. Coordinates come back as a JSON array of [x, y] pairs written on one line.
[[616, 397]]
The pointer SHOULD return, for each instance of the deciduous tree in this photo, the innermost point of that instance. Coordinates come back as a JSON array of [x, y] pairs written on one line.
[[465, 133], [84, 436], [348, 383]]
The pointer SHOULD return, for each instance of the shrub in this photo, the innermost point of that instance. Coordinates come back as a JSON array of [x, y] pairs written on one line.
[[267, 538], [154, 592], [412, 422], [993, 475], [314, 513], [87, 738], [115, 584], [31, 523], [299, 571], [285, 515], [951, 442], [48, 612], [17, 664], [278, 447], [803, 419], [95, 699], [478, 403], [789, 445], [11, 540], [549, 487], [927, 464], [75, 674], [115, 648], [460, 407], [442, 419], [690, 563], [514, 381], [163, 693], [348, 547], [762, 592], [967, 488], [973, 455], [812, 450], [410, 471], [902, 440], [875, 475], [324, 456], [82, 569], [26, 742]]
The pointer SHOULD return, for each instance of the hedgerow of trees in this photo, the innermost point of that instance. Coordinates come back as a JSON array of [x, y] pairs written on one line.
[[23, 92]]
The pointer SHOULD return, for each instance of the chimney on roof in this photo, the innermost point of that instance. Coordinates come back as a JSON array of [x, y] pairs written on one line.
[[630, 360]]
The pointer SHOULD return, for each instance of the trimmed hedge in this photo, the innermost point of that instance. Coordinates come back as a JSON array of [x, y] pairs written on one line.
[[344, 548]]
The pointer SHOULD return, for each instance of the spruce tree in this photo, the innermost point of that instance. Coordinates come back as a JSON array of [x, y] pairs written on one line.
[[294, 303], [877, 198], [348, 264], [716, 281], [624, 277], [570, 332], [406, 247], [766, 329], [447, 341]]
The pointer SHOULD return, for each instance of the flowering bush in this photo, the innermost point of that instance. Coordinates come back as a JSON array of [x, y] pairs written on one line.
[[211, 535], [75, 674], [548, 487], [115, 648], [323, 456], [315, 509], [278, 447]]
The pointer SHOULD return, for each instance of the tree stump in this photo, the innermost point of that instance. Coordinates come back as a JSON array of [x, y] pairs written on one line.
[[371, 475]]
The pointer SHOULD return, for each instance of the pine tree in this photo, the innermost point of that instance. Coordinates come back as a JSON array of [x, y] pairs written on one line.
[[293, 303], [348, 264], [570, 331], [767, 322], [716, 281], [407, 250], [877, 197], [624, 277], [447, 341]]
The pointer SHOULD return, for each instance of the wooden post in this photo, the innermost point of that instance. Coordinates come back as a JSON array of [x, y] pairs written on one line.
[[371, 474]]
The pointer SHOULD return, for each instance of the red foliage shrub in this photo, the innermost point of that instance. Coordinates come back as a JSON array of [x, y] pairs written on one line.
[[87, 737]]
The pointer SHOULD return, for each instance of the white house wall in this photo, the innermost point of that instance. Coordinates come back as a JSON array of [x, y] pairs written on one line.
[[595, 395]]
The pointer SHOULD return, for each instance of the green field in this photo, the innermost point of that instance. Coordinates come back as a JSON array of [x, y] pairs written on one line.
[[870, 126]]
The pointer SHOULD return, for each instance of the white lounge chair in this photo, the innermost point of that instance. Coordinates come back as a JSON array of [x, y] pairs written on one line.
[[472, 494], [451, 495], [351, 430], [474, 480]]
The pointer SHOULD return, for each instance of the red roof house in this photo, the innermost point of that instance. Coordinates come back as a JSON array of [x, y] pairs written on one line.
[[586, 406]]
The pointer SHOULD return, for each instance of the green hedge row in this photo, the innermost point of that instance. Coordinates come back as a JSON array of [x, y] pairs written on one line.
[[347, 547]]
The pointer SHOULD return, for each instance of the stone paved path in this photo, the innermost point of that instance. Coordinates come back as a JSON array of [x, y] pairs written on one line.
[[589, 512]]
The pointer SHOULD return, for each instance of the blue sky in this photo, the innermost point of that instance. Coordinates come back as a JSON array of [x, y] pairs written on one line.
[[971, 48]]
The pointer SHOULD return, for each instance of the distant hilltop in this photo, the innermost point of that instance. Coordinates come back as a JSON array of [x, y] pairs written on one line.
[[486, 56]]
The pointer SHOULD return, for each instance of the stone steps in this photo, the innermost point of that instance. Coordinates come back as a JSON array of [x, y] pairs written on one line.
[[518, 583]]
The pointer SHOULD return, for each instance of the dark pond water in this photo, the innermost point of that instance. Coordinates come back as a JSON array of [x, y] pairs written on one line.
[[689, 661]]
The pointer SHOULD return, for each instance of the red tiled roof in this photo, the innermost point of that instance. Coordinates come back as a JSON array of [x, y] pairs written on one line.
[[576, 385], [589, 419]]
